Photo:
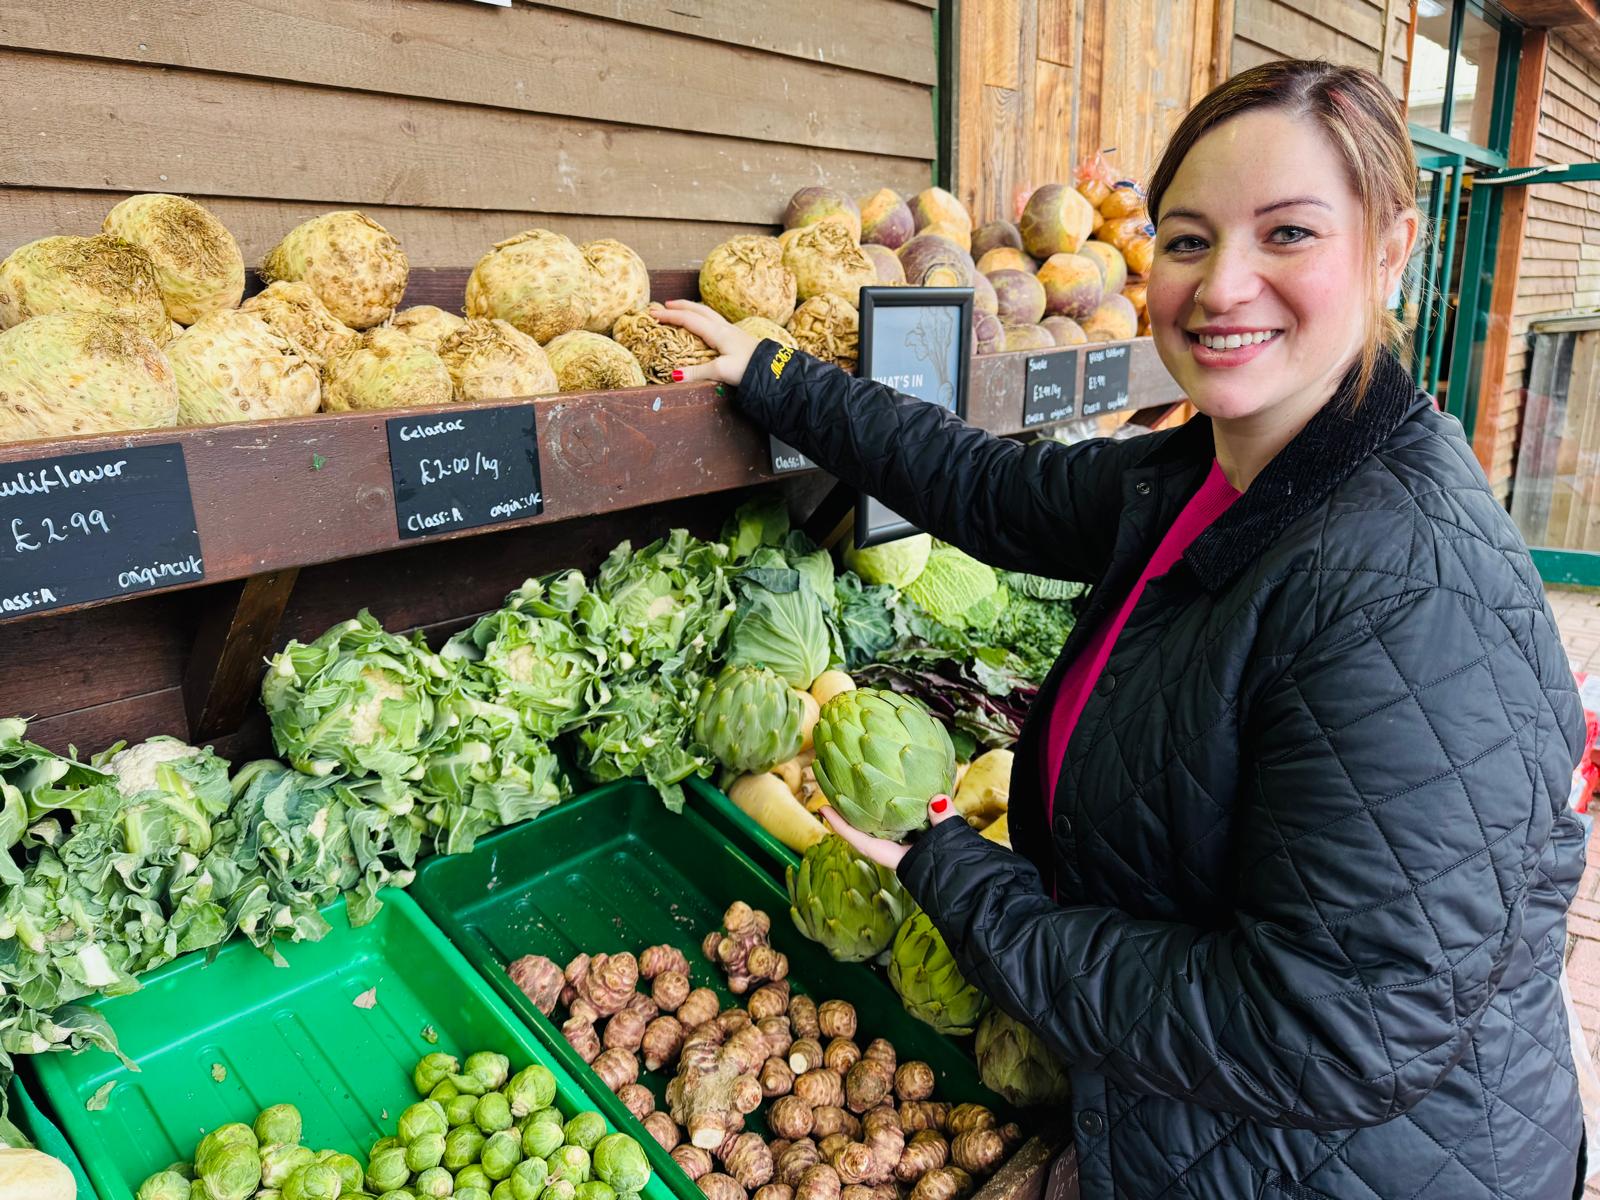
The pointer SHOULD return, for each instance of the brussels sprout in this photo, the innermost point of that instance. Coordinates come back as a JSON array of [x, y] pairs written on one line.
[[269, 1194], [444, 1090], [596, 1189], [620, 1161], [501, 1154], [387, 1170], [530, 1088], [349, 1170], [197, 1190], [426, 1117], [473, 1176], [586, 1129], [186, 1169], [433, 1070], [528, 1180], [382, 1143], [469, 1085], [493, 1069], [427, 1151], [462, 1146], [493, 1113], [472, 1193], [165, 1185], [396, 1194], [235, 1134], [231, 1172], [503, 1191], [541, 1139], [278, 1123], [314, 1181], [459, 1110], [548, 1113], [570, 1163], [433, 1184], [559, 1189], [279, 1161]]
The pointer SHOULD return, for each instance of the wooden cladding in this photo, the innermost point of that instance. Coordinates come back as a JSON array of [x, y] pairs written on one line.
[[458, 124], [1044, 83]]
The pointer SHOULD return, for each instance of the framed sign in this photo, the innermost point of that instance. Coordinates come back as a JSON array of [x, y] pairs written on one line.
[[81, 527], [460, 470], [919, 342]]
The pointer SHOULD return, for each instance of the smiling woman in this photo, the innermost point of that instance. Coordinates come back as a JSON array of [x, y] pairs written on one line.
[[1294, 854]]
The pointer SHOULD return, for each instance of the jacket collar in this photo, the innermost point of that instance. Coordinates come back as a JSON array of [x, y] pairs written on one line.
[[1320, 457]]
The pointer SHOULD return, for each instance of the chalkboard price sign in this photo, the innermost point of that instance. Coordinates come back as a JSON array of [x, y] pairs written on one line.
[[1049, 389], [785, 458], [460, 470], [82, 527], [919, 342], [1105, 380]]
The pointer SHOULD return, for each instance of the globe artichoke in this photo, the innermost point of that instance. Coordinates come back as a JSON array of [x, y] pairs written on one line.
[[848, 904], [749, 719], [1013, 1061], [923, 971], [880, 758]]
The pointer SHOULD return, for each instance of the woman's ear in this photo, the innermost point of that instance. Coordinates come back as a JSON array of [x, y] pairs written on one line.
[[1394, 251]]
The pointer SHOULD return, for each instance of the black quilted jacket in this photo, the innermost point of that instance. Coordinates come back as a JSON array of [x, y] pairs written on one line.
[[1297, 923]]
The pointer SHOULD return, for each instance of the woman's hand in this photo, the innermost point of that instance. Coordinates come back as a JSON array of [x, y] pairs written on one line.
[[733, 345], [881, 850]]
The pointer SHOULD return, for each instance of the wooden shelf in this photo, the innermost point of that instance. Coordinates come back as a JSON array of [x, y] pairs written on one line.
[[271, 496]]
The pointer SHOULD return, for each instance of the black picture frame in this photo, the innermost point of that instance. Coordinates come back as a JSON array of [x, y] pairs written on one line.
[[886, 347]]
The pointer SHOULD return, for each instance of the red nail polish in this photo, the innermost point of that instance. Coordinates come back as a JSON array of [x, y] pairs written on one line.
[[940, 804], [677, 376]]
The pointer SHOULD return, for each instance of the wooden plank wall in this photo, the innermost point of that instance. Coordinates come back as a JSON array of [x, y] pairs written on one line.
[[1559, 270], [1042, 83], [1365, 33], [455, 123]]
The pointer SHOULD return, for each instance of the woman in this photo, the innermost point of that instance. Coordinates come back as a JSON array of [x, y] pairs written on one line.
[[1294, 848]]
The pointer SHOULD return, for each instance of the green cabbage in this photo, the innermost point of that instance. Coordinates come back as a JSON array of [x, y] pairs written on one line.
[[781, 622], [538, 666], [951, 584], [894, 563]]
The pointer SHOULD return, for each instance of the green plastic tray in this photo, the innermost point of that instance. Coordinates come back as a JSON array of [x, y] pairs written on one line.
[[42, 1132], [293, 1035], [613, 870]]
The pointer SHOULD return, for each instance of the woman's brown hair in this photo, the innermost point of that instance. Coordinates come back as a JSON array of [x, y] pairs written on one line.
[[1365, 123]]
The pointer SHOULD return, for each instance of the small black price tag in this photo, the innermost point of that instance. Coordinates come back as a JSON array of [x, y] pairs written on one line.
[[785, 458], [1105, 380], [460, 470], [1049, 389], [82, 527]]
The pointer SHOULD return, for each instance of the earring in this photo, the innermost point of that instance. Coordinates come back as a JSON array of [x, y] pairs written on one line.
[[1197, 292]]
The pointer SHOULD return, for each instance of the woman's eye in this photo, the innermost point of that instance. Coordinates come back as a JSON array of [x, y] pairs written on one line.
[[1288, 235], [1184, 244]]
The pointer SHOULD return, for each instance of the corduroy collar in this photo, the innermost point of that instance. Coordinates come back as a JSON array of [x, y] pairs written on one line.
[[1321, 457]]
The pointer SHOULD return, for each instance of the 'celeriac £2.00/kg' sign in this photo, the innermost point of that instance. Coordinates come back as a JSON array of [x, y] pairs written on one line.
[[81, 527], [460, 470]]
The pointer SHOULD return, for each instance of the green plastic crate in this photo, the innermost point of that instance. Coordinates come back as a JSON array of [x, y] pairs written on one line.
[[294, 1035], [613, 870], [42, 1132]]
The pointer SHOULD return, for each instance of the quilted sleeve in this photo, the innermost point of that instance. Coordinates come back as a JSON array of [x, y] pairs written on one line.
[[1048, 509], [1405, 774]]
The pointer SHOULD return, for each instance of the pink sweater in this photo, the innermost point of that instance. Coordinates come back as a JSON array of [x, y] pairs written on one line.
[[1204, 507]]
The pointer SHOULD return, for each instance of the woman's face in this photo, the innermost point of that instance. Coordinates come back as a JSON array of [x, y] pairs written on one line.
[[1259, 289]]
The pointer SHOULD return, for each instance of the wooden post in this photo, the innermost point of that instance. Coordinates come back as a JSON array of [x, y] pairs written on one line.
[[235, 635], [1508, 252]]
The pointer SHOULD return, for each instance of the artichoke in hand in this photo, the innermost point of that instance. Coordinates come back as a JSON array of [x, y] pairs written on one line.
[[880, 758]]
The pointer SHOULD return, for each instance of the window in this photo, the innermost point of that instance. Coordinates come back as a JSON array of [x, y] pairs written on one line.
[[1458, 102]]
